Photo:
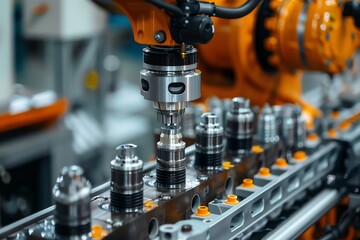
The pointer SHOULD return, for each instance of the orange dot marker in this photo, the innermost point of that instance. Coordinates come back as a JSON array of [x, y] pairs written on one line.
[[247, 183], [227, 165], [257, 149], [98, 232], [281, 162], [264, 172], [232, 199], [299, 156], [312, 137], [202, 211], [332, 133], [149, 204]]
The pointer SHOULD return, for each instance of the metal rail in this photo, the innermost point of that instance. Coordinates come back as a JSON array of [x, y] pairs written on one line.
[[301, 220]]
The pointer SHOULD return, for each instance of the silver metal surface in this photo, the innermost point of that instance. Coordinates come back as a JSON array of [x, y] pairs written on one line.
[[126, 179], [72, 204], [184, 230], [170, 161], [300, 128], [239, 127], [169, 113], [170, 68], [288, 126], [299, 222], [266, 131], [159, 85], [209, 141], [170, 84]]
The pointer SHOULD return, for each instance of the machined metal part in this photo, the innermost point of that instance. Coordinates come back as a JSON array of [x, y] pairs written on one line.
[[288, 128], [170, 161], [216, 106], [239, 128], [170, 80], [277, 110], [300, 128], [186, 229], [72, 204], [126, 180], [209, 142], [266, 131], [300, 221]]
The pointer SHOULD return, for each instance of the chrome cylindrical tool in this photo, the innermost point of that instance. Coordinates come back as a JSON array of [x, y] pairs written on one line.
[[288, 126], [72, 204], [209, 142], [266, 127], [239, 128], [277, 110], [126, 180], [170, 161], [170, 80], [300, 128]]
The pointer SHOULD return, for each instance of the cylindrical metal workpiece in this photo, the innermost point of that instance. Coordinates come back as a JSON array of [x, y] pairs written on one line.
[[277, 110], [72, 204], [300, 128], [126, 180], [239, 128], [288, 128], [209, 142], [170, 79], [170, 161], [266, 127]]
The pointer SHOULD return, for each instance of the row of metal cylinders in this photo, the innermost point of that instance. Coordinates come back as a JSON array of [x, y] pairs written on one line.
[[127, 168]]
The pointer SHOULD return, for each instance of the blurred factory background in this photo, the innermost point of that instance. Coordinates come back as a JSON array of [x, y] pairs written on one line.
[[69, 94]]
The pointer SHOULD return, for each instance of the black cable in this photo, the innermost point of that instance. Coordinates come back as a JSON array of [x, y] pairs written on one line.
[[169, 8], [226, 12]]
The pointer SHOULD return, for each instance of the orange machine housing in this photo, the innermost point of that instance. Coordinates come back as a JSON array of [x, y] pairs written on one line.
[[146, 20], [231, 67]]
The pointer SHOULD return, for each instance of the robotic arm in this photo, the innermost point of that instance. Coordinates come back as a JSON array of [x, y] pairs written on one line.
[[170, 23]]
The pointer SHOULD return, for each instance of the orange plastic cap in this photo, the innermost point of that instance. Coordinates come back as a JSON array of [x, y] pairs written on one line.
[[149, 204], [98, 232], [232, 199], [227, 165], [257, 149], [332, 133], [202, 211], [299, 156], [312, 137], [248, 183], [264, 172], [281, 162]]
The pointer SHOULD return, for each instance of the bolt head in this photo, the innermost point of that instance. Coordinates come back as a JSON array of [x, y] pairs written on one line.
[[186, 228]]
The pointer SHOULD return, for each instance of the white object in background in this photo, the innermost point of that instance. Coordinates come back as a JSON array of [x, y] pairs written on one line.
[[6, 53], [62, 19]]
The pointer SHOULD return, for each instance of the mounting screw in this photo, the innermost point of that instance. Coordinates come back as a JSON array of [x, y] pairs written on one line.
[[186, 228], [330, 179], [165, 197], [160, 36], [203, 178]]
